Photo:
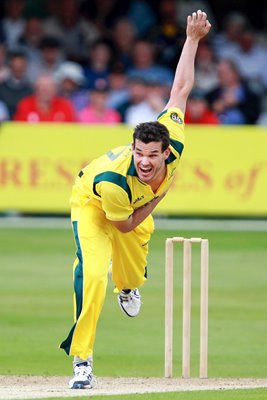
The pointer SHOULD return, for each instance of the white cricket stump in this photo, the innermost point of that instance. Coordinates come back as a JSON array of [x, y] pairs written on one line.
[[187, 244]]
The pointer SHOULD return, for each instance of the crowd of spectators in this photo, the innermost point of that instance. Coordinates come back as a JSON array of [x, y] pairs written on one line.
[[112, 61]]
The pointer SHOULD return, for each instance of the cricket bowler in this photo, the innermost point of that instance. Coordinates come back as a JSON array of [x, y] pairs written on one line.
[[111, 205]]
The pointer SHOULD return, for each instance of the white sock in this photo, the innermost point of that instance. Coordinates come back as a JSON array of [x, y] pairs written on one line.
[[78, 360]]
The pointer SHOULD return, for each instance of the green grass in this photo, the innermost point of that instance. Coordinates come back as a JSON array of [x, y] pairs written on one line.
[[36, 309], [253, 394]]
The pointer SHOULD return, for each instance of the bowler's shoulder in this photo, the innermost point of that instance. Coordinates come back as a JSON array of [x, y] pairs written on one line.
[[171, 115], [173, 119]]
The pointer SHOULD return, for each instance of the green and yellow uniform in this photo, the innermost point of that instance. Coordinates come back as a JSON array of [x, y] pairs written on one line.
[[108, 189]]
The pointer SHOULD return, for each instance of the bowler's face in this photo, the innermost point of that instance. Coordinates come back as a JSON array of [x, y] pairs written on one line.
[[149, 161]]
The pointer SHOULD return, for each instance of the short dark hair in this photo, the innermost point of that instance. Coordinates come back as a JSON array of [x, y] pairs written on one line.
[[16, 53], [50, 42], [148, 132]]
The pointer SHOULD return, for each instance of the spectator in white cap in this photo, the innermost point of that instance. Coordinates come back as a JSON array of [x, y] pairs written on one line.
[[70, 79]]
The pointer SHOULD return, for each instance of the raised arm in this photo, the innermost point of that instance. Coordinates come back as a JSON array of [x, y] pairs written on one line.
[[198, 26]]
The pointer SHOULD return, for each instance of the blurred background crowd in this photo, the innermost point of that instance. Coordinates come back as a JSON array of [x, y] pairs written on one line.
[[112, 61]]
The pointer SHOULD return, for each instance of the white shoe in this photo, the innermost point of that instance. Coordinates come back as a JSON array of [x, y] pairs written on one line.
[[83, 377], [130, 303]]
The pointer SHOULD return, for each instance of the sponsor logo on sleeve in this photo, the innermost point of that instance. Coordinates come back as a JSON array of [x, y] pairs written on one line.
[[175, 117]]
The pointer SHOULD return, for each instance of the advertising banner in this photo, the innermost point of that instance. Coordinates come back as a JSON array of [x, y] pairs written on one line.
[[223, 170]]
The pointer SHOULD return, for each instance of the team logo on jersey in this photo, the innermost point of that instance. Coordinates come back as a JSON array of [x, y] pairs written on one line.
[[175, 117]]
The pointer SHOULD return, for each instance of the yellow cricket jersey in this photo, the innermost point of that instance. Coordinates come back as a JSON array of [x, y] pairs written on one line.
[[111, 183]]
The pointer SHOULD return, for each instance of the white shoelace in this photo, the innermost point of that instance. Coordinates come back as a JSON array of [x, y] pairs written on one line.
[[129, 296], [82, 370]]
